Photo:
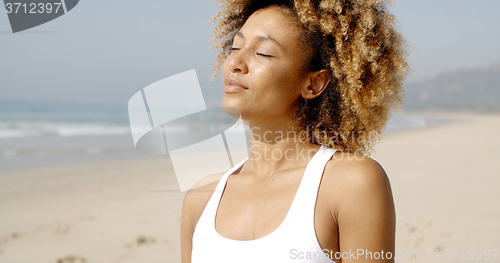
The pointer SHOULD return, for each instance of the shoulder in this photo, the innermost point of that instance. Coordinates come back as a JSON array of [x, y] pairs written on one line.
[[197, 198], [355, 171], [356, 182], [195, 201]]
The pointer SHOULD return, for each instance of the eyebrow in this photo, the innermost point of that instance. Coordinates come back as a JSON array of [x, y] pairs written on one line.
[[261, 38]]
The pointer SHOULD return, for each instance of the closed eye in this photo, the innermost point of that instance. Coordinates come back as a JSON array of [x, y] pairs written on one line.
[[258, 53], [264, 55]]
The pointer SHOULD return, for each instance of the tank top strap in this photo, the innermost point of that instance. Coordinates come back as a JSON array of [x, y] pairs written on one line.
[[223, 179], [307, 199], [211, 207]]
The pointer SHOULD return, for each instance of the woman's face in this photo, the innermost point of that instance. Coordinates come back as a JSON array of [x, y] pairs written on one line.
[[263, 76]]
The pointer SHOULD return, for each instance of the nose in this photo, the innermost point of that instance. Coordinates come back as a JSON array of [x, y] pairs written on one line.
[[237, 62]]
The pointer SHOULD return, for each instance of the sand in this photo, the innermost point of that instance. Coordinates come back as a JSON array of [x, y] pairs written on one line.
[[445, 181], [446, 187]]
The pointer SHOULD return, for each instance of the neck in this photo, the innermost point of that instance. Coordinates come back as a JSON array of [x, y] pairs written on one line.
[[275, 147]]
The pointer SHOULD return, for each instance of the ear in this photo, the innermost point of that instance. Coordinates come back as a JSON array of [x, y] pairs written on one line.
[[318, 81]]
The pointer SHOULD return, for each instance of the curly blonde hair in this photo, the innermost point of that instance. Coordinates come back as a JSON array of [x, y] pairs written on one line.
[[356, 41]]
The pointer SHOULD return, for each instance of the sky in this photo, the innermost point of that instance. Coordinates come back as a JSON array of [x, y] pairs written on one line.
[[103, 52]]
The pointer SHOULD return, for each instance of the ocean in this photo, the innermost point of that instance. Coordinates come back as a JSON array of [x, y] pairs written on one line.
[[34, 134]]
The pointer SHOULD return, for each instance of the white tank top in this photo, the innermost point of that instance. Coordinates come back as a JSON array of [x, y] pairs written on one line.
[[293, 241]]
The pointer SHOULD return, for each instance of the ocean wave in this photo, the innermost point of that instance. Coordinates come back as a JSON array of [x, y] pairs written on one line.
[[12, 152], [68, 129], [61, 129]]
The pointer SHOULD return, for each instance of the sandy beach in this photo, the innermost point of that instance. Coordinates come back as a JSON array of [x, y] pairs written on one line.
[[445, 181]]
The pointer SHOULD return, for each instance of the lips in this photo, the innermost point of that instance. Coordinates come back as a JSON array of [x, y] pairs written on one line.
[[233, 86]]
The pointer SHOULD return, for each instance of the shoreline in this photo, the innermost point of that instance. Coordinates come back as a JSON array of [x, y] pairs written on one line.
[[444, 181], [123, 148]]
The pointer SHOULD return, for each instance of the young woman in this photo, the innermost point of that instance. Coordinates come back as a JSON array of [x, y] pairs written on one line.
[[316, 82]]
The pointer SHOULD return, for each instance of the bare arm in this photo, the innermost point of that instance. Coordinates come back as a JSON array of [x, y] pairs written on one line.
[[365, 215]]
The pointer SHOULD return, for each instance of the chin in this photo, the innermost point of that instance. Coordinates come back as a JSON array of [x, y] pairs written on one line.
[[231, 103], [234, 104]]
